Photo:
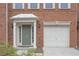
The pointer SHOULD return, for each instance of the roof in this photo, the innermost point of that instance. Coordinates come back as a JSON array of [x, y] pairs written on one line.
[[24, 16]]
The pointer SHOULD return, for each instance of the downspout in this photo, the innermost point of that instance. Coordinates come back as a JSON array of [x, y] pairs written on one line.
[[77, 25], [6, 24]]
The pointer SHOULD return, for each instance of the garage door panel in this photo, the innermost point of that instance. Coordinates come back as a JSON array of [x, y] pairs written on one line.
[[56, 36], [55, 44]]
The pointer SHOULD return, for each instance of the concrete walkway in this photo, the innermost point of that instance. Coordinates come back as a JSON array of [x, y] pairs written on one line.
[[61, 51]]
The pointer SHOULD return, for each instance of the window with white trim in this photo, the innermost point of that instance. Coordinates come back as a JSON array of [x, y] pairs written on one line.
[[18, 6], [49, 5], [33, 6], [26, 35], [64, 5]]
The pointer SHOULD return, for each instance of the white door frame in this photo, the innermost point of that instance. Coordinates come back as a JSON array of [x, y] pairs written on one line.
[[18, 43], [15, 35]]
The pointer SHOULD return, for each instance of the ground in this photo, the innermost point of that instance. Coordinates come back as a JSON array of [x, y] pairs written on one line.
[[61, 51]]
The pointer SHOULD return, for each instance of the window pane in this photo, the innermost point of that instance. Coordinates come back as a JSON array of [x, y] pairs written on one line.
[[48, 5], [19, 34], [26, 34], [64, 5], [32, 34], [33, 5], [18, 5]]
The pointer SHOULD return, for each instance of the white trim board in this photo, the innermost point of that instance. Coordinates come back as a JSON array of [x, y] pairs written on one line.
[[58, 23]]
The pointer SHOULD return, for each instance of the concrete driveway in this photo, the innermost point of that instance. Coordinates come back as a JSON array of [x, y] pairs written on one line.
[[61, 51]]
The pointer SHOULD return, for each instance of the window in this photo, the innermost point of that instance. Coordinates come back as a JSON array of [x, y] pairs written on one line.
[[49, 5], [32, 34], [20, 37], [26, 35], [33, 5], [64, 5], [18, 6]]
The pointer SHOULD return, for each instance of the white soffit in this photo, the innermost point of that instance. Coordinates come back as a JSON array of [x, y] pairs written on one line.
[[24, 16]]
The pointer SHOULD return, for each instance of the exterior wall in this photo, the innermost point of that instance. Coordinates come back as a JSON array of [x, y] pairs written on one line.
[[78, 24], [78, 36], [2, 24], [46, 15]]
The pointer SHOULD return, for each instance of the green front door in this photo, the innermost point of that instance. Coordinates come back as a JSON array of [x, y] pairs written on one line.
[[26, 34]]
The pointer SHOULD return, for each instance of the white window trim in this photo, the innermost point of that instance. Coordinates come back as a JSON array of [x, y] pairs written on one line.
[[17, 8], [53, 6], [20, 44], [15, 37], [38, 6], [69, 6], [58, 23]]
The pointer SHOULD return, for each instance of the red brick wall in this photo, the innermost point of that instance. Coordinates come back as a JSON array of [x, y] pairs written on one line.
[[47, 15], [78, 24], [2, 23]]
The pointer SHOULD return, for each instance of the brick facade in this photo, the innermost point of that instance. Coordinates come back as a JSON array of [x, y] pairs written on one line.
[[78, 24], [2, 23], [43, 15]]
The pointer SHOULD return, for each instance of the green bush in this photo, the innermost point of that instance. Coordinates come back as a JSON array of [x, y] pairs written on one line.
[[33, 51], [7, 51], [2, 45]]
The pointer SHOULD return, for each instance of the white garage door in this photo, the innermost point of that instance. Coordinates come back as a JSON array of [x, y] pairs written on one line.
[[56, 36]]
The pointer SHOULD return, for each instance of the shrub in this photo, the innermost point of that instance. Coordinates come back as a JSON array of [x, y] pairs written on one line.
[[30, 52], [7, 51], [33, 52]]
